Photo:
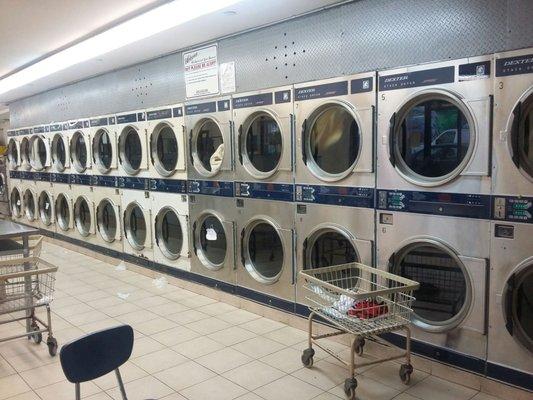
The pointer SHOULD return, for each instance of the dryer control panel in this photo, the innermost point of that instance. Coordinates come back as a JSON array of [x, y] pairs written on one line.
[[513, 208]]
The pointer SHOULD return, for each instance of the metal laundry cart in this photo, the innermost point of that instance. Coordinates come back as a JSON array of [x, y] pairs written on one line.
[[362, 301]]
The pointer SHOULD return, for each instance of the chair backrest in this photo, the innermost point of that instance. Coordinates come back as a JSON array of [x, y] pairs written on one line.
[[96, 354]]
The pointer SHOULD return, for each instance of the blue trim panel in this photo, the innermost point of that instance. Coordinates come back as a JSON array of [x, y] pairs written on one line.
[[265, 191], [79, 179], [130, 182], [168, 185], [211, 188], [336, 195], [512, 376], [263, 298], [60, 178], [104, 181], [434, 203], [361, 85]]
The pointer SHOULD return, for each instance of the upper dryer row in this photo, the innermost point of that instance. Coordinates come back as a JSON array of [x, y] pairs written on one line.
[[462, 126]]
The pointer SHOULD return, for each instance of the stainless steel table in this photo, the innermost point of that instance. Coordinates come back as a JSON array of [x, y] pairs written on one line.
[[11, 230]]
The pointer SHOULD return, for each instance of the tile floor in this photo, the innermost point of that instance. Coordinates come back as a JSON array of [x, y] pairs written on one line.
[[187, 346]]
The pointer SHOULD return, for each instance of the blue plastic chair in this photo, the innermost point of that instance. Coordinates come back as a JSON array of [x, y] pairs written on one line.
[[97, 354]]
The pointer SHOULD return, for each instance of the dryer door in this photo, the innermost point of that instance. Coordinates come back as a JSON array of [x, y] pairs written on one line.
[[84, 216], [132, 148], [13, 153], [16, 202], [138, 226], [64, 212], [80, 151], [40, 154], [167, 148], [46, 208], [211, 146], [170, 232], [104, 150], [108, 221], [521, 136], [60, 152], [213, 241]]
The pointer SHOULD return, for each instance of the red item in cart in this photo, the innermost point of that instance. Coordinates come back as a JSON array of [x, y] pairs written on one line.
[[367, 309]]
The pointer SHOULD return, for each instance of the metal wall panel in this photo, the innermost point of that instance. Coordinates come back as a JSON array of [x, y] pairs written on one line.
[[359, 36]]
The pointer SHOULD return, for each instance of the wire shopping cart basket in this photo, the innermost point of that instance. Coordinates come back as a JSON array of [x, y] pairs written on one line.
[[25, 285], [363, 301]]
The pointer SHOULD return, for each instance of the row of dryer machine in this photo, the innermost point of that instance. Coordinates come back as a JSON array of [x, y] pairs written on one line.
[[454, 152]]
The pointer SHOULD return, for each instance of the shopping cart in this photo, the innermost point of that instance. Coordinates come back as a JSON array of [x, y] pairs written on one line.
[[362, 301], [25, 285]]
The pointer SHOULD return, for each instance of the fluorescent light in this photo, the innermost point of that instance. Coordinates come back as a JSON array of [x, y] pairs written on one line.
[[150, 23]]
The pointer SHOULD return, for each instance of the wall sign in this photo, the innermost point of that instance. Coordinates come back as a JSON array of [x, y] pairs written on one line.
[[201, 72], [227, 77]]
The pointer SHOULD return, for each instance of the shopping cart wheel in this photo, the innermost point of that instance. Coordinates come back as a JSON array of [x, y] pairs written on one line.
[[360, 346], [307, 357], [405, 373], [37, 336], [52, 346], [350, 385]]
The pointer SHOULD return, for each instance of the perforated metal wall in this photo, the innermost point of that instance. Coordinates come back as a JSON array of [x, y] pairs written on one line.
[[354, 37]]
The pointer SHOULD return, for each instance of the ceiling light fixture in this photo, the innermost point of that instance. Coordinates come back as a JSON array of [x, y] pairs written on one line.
[[145, 25]]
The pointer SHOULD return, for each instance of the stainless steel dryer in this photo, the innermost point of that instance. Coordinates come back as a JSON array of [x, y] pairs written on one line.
[[266, 270], [209, 126], [510, 350], [104, 145], [133, 148], [513, 123], [264, 135], [84, 213], [79, 135], [4, 191], [63, 203], [13, 151], [137, 224], [60, 147], [45, 206], [24, 136], [212, 240], [434, 127], [108, 216], [15, 204], [449, 256], [29, 202], [40, 148], [335, 131]]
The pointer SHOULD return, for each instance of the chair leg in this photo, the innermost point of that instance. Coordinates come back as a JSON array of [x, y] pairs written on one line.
[[78, 392], [121, 385]]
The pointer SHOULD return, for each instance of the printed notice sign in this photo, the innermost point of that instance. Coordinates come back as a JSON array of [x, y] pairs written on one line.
[[201, 72], [227, 77]]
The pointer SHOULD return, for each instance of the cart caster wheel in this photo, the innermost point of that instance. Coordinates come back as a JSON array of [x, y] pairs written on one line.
[[307, 357], [359, 347], [52, 346], [38, 336], [405, 373], [350, 385]]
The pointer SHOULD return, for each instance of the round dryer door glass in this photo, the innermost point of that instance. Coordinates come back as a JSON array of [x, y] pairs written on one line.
[[103, 150], [263, 143], [59, 152], [264, 253], [164, 149], [131, 150], [82, 215], [107, 220], [3, 186], [519, 300], [434, 139], [330, 248], [12, 153], [45, 208], [213, 244], [25, 150], [135, 226], [79, 151], [210, 145], [168, 233], [38, 153], [444, 295], [16, 203], [333, 141], [522, 136], [62, 212], [29, 205]]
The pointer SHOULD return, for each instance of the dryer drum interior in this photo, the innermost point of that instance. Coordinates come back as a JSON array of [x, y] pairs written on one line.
[[82, 216], [3, 185], [38, 153], [16, 203], [518, 306], [332, 141], [12, 153], [169, 235], [130, 150], [209, 145], [212, 241], [522, 136], [59, 152], [263, 252], [106, 218], [29, 204], [328, 247], [25, 150], [164, 147], [444, 296], [263, 143], [135, 226], [62, 212], [78, 151], [45, 208], [102, 150], [433, 138]]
